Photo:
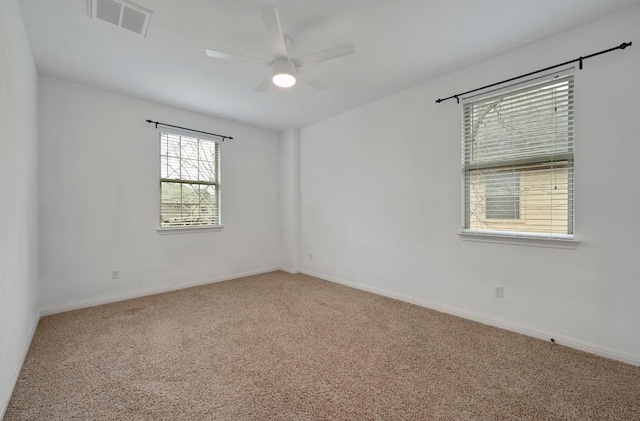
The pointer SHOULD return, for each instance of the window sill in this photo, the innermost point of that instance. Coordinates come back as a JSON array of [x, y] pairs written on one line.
[[189, 229], [561, 243]]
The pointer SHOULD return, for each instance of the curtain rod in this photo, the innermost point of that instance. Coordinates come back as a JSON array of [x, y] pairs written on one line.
[[191, 130], [579, 60]]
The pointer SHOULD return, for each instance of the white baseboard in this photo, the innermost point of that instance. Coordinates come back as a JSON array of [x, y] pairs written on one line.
[[61, 308], [559, 339], [289, 270], [4, 400]]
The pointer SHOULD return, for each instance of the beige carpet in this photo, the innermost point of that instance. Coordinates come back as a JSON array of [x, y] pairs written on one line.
[[292, 347]]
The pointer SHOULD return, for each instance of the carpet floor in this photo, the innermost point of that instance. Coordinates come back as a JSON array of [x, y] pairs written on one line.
[[292, 347]]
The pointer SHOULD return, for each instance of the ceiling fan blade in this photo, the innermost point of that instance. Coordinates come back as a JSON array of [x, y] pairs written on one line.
[[312, 81], [276, 37], [324, 55], [263, 85], [236, 57]]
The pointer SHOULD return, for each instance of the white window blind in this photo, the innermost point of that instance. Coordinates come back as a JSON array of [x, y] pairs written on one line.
[[518, 161], [189, 181]]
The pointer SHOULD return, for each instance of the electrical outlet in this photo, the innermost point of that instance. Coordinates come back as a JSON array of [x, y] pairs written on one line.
[[310, 256], [115, 274], [499, 291]]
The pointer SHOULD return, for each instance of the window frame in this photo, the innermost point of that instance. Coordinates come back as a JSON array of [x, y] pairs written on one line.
[[194, 228], [568, 240]]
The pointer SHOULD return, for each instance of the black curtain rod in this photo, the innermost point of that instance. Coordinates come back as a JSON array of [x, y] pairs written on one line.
[[191, 130], [579, 60]]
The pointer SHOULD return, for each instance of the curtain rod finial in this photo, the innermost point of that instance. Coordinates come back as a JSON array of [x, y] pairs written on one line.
[[625, 45]]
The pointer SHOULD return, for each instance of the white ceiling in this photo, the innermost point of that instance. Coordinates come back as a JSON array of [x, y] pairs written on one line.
[[399, 44]]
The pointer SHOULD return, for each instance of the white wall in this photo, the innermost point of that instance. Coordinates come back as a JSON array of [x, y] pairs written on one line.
[[381, 201], [99, 177], [290, 200], [18, 190]]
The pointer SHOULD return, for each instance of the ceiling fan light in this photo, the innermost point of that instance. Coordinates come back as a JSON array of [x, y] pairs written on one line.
[[284, 79]]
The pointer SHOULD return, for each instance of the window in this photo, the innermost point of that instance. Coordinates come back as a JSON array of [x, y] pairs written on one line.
[[189, 181], [503, 196], [518, 161]]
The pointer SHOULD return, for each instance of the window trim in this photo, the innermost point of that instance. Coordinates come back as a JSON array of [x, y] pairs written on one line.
[[188, 229], [564, 241], [519, 240]]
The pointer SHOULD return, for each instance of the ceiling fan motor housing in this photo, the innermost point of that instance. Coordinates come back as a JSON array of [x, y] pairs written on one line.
[[284, 66]]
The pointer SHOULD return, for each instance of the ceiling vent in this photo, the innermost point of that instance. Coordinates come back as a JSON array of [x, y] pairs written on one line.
[[122, 13]]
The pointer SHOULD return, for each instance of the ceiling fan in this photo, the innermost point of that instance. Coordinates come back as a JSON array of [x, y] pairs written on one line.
[[285, 71]]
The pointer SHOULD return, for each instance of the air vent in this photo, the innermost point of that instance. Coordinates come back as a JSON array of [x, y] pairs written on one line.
[[123, 14]]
